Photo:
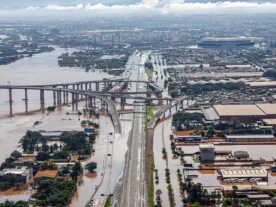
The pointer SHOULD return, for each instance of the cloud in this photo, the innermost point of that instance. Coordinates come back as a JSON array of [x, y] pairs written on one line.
[[152, 7]]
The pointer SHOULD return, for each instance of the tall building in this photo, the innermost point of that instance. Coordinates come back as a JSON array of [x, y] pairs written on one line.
[[207, 152]]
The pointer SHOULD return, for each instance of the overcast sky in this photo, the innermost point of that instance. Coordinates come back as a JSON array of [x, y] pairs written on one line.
[[70, 9]]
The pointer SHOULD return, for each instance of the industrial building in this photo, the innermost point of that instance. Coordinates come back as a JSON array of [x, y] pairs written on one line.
[[245, 113], [210, 42], [207, 152], [190, 138], [244, 173], [250, 138], [24, 173]]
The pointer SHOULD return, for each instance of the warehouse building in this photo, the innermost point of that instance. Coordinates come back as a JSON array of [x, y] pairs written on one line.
[[244, 173], [250, 138], [245, 113]]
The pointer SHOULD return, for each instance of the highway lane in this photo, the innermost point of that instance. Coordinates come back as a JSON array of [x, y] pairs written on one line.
[[134, 191]]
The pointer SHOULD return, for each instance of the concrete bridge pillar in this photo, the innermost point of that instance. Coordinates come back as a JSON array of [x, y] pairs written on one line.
[[73, 87], [90, 101], [86, 86], [170, 108], [176, 107], [10, 101], [101, 104], [81, 85], [148, 95], [42, 101], [167, 102], [182, 105], [73, 101], [90, 86], [64, 96], [54, 98], [86, 102], [77, 100], [97, 86], [59, 99], [67, 94], [123, 101], [26, 101]]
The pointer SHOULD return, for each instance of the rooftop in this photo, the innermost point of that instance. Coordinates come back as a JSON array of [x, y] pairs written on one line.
[[243, 173], [270, 121], [267, 108], [257, 136], [206, 146], [46, 173], [238, 110]]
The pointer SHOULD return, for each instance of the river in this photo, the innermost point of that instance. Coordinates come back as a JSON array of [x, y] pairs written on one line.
[[40, 69]]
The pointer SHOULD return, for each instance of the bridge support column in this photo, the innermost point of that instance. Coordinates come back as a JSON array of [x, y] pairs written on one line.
[[77, 100], [64, 95], [42, 101], [73, 101], [170, 108], [105, 85], [123, 103], [54, 98], [81, 86], [176, 107], [182, 105], [86, 104], [90, 86], [167, 102], [10, 101], [97, 86], [67, 94], [90, 102], [59, 99], [26, 101]]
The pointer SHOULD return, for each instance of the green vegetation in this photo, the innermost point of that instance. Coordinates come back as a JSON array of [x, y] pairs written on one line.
[[8, 203], [149, 74], [148, 65], [151, 190], [10, 180], [90, 123], [54, 193], [108, 201], [91, 166], [189, 120], [149, 111], [30, 140], [195, 158], [77, 142], [174, 93], [48, 166], [199, 89], [51, 108]]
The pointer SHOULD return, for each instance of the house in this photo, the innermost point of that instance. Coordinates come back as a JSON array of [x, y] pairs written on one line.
[[45, 175], [23, 172], [264, 203]]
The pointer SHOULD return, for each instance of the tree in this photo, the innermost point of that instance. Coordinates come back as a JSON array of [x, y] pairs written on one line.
[[16, 154], [61, 155], [41, 156], [91, 166], [196, 204], [77, 170], [8, 203], [182, 154], [18, 185], [174, 94], [158, 193]]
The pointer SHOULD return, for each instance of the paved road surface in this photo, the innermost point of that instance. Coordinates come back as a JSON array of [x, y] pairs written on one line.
[[134, 192]]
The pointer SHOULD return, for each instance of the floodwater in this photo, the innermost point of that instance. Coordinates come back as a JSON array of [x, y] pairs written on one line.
[[162, 139], [40, 69], [44, 69]]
